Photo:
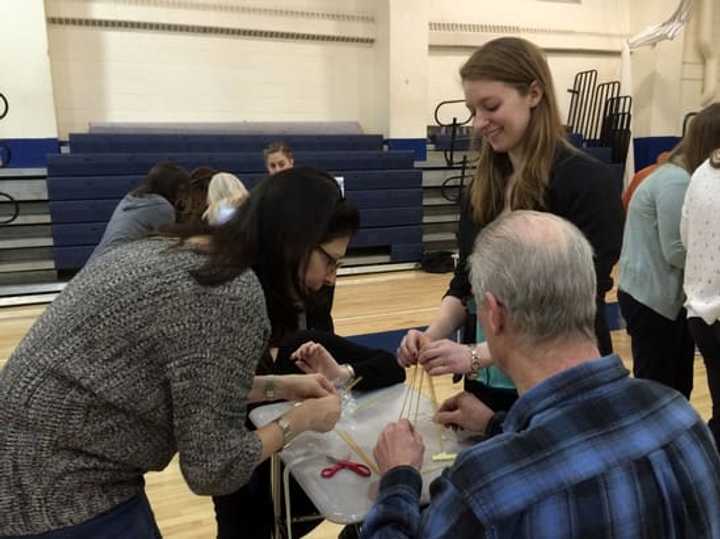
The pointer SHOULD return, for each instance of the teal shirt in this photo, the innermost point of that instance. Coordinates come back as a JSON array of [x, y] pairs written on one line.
[[490, 376], [653, 257]]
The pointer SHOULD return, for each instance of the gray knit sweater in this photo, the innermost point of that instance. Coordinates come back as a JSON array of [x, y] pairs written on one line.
[[133, 362]]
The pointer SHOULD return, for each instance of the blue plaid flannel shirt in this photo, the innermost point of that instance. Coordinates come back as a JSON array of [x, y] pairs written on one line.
[[587, 453]]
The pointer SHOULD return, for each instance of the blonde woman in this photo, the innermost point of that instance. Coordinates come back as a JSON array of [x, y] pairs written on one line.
[[225, 193]]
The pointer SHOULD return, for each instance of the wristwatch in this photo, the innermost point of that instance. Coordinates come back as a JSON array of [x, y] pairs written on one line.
[[271, 389], [287, 433], [475, 363]]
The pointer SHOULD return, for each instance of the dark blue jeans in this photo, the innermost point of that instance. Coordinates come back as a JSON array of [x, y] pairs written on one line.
[[131, 519]]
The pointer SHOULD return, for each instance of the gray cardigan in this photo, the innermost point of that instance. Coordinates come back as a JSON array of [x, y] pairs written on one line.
[[653, 257], [132, 363]]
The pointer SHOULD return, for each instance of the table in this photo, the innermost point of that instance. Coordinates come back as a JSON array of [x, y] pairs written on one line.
[[346, 498]]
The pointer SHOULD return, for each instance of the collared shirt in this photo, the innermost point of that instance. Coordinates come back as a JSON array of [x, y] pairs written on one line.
[[589, 452]]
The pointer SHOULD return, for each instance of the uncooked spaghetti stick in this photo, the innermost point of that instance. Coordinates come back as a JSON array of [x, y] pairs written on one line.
[[441, 442], [408, 389], [354, 383], [419, 394], [348, 439]]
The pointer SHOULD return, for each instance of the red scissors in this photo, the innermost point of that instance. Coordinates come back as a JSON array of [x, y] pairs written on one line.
[[339, 464]]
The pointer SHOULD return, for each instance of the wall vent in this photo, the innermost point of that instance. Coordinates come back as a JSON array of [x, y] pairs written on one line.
[[196, 29]]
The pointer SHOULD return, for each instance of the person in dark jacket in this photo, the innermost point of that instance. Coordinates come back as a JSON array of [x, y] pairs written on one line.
[[525, 162], [147, 208]]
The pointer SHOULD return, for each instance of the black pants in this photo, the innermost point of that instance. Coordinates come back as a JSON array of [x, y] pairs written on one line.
[[602, 332], [248, 513], [663, 350], [708, 342]]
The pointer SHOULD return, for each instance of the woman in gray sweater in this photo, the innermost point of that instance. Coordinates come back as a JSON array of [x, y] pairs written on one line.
[[151, 351]]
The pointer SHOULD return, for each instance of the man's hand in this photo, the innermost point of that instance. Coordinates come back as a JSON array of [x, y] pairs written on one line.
[[466, 411], [399, 444]]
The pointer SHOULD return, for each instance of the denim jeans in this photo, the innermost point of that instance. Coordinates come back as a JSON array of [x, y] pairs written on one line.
[[131, 519]]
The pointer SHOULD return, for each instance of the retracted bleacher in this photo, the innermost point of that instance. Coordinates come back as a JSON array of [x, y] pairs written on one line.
[[85, 185]]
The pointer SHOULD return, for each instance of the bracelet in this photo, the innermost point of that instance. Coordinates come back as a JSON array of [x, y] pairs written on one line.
[[475, 363], [287, 434]]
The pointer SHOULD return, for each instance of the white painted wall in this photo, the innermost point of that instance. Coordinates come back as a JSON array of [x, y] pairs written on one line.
[[25, 71], [109, 75]]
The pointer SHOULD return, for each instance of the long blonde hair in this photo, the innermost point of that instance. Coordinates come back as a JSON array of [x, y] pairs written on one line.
[[224, 189], [517, 63]]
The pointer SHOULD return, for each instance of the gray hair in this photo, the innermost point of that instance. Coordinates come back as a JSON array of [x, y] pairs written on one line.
[[540, 267]]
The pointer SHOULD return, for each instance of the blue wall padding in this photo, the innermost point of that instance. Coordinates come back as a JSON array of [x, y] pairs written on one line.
[[116, 187], [239, 163], [28, 153], [417, 145], [378, 237], [647, 149]]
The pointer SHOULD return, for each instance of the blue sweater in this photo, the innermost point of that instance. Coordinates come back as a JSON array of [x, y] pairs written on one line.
[[653, 257]]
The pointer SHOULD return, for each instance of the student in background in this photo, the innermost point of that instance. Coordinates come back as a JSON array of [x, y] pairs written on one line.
[[147, 208], [525, 162], [194, 202], [700, 231], [224, 195], [278, 157], [650, 290]]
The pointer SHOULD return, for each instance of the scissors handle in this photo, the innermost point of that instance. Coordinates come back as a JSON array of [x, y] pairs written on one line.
[[359, 469], [328, 472]]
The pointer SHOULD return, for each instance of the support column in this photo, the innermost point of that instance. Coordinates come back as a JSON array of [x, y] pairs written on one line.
[[402, 53]]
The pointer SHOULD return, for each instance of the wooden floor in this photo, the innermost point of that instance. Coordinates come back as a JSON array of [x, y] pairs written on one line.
[[363, 304]]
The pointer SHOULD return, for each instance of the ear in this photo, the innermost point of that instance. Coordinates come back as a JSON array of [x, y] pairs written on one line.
[[495, 314], [535, 94]]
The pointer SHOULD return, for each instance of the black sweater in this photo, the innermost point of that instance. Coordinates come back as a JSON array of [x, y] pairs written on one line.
[[582, 190]]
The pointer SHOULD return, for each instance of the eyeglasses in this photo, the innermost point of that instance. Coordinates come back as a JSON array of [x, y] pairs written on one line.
[[333, 263]]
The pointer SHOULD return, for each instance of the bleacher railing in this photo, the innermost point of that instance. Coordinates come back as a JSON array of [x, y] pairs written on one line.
[[4, 159]]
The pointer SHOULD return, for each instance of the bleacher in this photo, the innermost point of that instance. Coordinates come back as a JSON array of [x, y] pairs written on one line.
[[85, 185]]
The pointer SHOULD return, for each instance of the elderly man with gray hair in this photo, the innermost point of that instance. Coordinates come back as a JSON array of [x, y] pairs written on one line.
[[586, 451]]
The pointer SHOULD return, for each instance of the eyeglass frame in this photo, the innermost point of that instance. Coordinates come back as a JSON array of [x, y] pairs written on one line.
[[333, 263]]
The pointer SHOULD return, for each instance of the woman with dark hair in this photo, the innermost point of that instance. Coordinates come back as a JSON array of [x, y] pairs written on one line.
[[147, 208], [313, 349], [194, 201], [150, 351], [652, 263]]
